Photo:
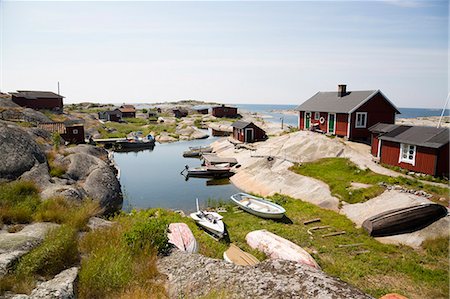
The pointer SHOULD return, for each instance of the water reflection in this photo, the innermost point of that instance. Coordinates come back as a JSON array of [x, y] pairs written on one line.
[[151, 178]]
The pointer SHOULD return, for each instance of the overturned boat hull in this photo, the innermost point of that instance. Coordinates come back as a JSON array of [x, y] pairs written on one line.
[[182, 237], [237, 256], [404, 220]]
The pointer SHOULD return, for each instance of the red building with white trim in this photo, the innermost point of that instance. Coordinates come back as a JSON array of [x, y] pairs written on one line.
[[346, 113], [416, 148]]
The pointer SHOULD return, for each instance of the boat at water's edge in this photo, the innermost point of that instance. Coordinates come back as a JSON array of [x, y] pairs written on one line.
[[258, 206]]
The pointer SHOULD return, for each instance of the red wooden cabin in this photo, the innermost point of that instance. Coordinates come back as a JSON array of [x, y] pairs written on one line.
[[346, 113], [247, 132], [45, 100], [416, 148], [72, 133], [224, 111], [128, 111]]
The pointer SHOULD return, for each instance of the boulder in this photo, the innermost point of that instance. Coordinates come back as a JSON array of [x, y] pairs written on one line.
[[62, 286], [81, 165], [95, 151], [193, 275], [39, 175], [102, 185], [165, 137], [98, 223], [35, 116], [18, 152]]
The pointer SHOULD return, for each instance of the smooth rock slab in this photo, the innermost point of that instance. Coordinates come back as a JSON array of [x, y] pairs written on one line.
[[62, 286], [195, 275]]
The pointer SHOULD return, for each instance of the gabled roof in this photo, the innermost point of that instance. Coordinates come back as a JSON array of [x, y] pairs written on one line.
[[127, 108], [223, 106], [329, 101], [34, 95], [239, 124], [201, 107], [418, 135]]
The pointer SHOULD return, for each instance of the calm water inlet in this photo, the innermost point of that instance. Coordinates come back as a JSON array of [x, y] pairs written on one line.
[[151, 178]]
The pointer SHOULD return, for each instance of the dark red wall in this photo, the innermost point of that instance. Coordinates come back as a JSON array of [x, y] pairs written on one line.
[[259, 134], [374, 145], [72, 137], [129, 114], [442, 167], [301, 120], [41, 103], [379, 110], [341, 124], [425, 157], [224, 111]]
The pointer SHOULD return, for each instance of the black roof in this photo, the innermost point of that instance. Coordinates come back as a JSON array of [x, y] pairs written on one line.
[[329, 101], [34, 95], [239, 124], [417, 135]]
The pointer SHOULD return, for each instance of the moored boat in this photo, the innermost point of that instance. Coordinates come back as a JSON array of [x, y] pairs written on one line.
[[135, 143], [258, 206], [237, 256], [182, 237], [404, 220], [276, 247], [209, 172], [194, 152], [210, 221]]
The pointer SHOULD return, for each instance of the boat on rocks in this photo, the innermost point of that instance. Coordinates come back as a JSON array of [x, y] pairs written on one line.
[[404, 220], [210, 221], [197, 151], [237, 256], [182, 237], [258, 206], [276, 247]]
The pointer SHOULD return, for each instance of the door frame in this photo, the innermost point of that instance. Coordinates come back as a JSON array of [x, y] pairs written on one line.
[[249, 130], [334, 125], [307, 112]]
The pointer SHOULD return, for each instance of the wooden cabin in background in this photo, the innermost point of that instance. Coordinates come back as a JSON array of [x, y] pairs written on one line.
[[128, 111], [38, 100], [72, 133], [248, 132], [346, 113], [202, 109], [224, 111], [110, 115], [179, 113], [416, 148]]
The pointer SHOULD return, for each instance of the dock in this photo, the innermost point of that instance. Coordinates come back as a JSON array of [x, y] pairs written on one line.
[[213, 159]]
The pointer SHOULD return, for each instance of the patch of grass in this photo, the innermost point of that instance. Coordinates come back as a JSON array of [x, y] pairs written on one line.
[[113, 267], [424, 177], [56, 253], [383, 269], [123, 129], [339, 173], [56, 169], [18, 201], [17, 285], [437, 247], [62, 211]]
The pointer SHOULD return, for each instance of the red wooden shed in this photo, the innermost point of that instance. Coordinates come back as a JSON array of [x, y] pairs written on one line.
[[128, 111], [224, 111], [346, 113], [416, 148], [247, 132], [45, 100]]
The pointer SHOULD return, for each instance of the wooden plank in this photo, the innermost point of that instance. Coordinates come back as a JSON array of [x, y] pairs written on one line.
[[311, 221], [350, 245], [316, 228]]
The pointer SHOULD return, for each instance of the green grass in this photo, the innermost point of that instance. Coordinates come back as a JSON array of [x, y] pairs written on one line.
[[427, 177], [123, 129], [18, 202], [385, 268], [339, 173]]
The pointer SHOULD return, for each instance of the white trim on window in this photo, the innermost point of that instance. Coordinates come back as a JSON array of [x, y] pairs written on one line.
[[316, 115], [361, 120], [407, 154]]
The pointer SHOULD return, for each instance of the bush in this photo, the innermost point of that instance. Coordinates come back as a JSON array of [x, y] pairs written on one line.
[[56, 253], [152, 232], [56, 139]]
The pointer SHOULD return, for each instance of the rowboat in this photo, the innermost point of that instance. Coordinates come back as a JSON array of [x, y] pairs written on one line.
[[258, 206], [210, 221], [276, 247], [237, 256], [209, 171], [135, 143], [197, 151], [181, 236], [404, 220]]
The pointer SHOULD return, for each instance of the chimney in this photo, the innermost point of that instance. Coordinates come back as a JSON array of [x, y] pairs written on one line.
[[342, 90]]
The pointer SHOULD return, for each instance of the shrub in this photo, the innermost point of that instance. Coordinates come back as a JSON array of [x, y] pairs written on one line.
[[144, 110], [56, 139], [152, 232], [56, 253]]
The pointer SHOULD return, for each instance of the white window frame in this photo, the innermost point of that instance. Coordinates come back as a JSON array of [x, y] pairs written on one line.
[[364, 123], [407, 159], [316, 115]]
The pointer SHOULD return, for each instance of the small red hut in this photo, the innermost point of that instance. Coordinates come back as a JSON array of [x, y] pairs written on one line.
[[247, 132], [224, 111]]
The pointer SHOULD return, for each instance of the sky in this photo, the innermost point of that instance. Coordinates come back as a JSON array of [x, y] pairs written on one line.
[[230, 51]]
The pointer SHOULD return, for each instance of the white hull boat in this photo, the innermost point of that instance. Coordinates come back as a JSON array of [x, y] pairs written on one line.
[[182, 237], [210, 221], [258, 206], [276, 247]]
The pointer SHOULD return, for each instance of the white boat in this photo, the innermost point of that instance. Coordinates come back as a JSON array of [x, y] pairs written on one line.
[[276, 247], [182, 237], [258, 206], [209, 171], [237, 256], [210, 221]]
